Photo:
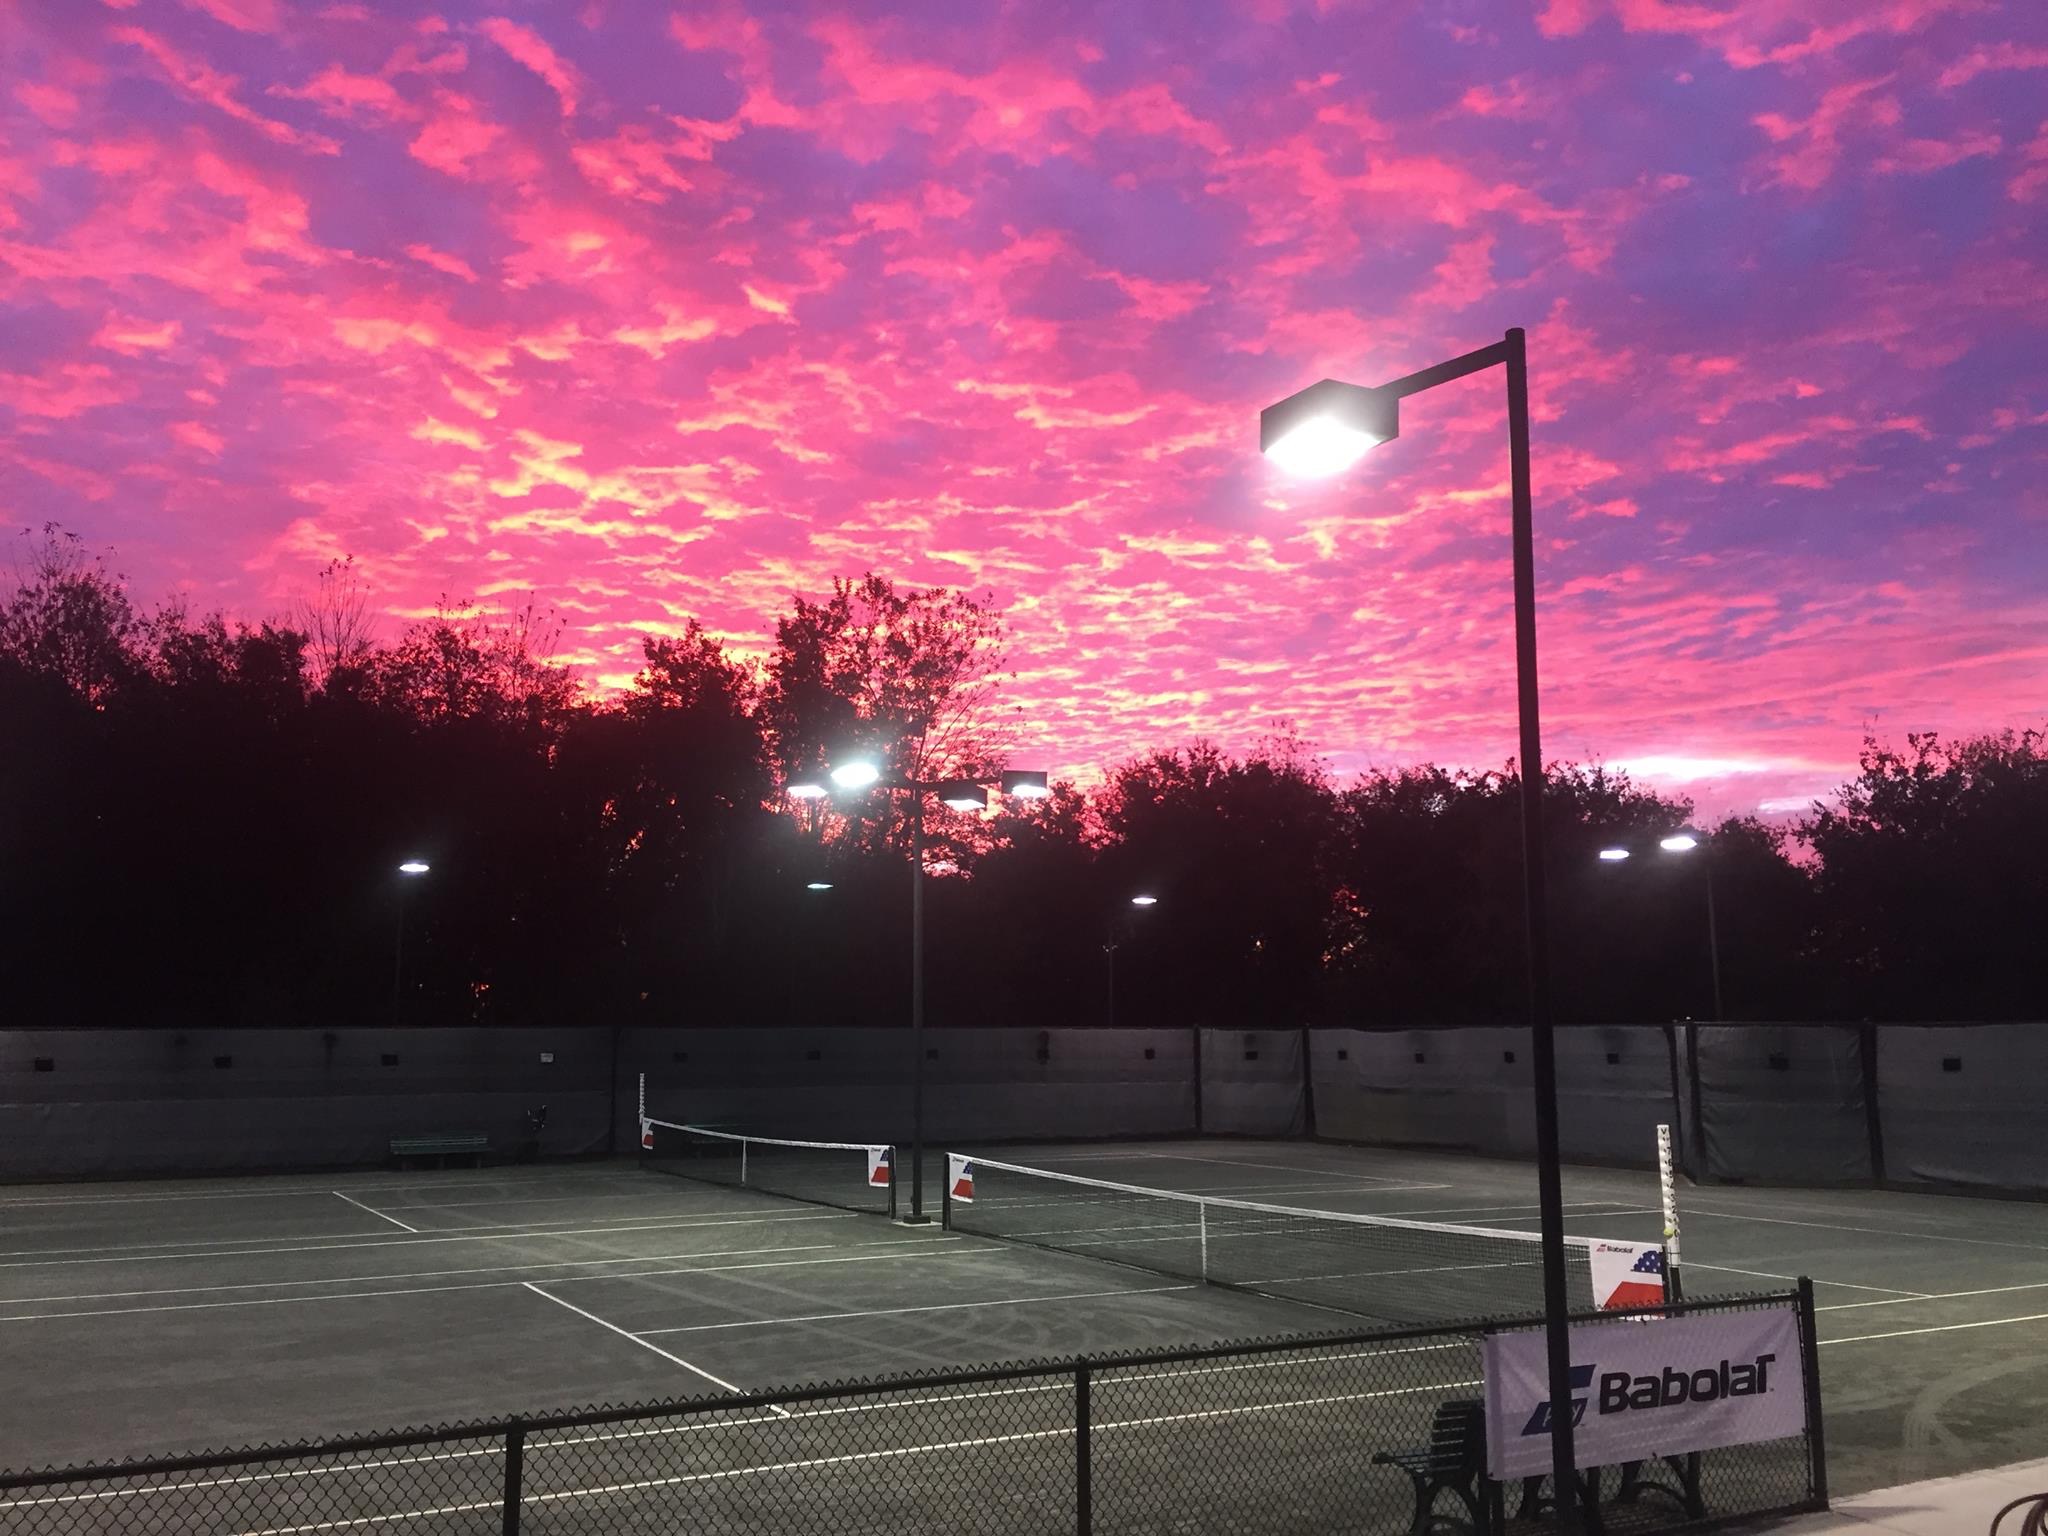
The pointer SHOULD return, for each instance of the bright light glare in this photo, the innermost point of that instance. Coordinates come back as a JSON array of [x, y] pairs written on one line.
[[1321, 446], [858, 774], [414, 867], [978, 801], [1679, 842], [1613, 855], [1144, 901], [806, 791], [819, 885]]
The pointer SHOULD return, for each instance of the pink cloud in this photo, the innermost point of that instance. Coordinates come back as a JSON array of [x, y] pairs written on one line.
[[56, 105], [1997, 56], [135, 338], [67, 390], [528, 47], [217, 90], [441, 261], [365, 98], [1815, 143], [2032, 178], [455, 136], [243, 15]]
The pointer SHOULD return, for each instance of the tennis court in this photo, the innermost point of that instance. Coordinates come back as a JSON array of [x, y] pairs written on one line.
[[189, 1315]]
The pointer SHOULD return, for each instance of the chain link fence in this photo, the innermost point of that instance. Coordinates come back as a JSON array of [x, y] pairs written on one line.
[[1315, 1434]]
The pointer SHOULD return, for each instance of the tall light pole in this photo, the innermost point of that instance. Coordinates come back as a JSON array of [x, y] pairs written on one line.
[[408, 872], [1684, 841], [958, 794], [1109, 948], [1327, 428]]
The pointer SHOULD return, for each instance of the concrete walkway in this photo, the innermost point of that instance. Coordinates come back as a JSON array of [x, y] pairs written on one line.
[[1948, 1506]]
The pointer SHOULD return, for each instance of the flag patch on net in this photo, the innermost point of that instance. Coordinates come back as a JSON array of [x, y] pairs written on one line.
[[881, 1166], [1627, 1275], [960, 1178]]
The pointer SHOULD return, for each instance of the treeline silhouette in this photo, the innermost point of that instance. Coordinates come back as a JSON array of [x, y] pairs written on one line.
[[200, 823]]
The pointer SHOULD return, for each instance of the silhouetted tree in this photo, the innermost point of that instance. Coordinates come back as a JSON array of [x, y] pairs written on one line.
[[200, 821], [1933, 896]]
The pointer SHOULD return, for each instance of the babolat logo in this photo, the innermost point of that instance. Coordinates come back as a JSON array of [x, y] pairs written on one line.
[[1623, 1393], [1539, 1421]]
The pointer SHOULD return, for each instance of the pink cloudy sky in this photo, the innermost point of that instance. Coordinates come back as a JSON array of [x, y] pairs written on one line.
[[669, 311]]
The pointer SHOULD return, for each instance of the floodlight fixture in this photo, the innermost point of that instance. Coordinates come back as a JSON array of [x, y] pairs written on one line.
[[808, 789], [1683, 841], [963, 795], [1613, 855], [819, 885], [1328, 427], [856, 773], [1025, 785], [414, 867], [1144, 901]]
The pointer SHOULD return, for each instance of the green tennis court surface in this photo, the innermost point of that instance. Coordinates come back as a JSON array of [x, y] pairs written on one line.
[[201, 1314]]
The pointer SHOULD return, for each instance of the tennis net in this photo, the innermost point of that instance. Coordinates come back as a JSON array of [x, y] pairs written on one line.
[[1380, 1267], [851, 1175]]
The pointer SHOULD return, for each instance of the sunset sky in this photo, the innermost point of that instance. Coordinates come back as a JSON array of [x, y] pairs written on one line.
[[671, 311]]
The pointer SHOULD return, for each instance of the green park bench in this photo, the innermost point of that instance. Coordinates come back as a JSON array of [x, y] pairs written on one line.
[[406, 1148]]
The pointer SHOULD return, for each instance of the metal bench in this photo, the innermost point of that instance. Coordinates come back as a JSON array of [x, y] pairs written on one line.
[[1454, 1461], [404, 1148]]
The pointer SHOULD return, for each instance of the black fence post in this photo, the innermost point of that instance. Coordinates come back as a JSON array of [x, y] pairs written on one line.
[[1816, 1437], [515, 1469], [1698, 1101], [1084, 1478], [1873, 1116], [1308, 1083]]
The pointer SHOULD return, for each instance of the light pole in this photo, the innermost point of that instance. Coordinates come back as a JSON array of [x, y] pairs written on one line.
[[1684, 841], [1109, 948], [1327, 428], [960, 795], [409, 871]]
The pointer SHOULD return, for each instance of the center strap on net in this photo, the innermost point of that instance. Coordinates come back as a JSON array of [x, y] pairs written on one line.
[[854, 1176], [1383, 1267]]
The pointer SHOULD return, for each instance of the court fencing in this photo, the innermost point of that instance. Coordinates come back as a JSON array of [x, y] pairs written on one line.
[[1935, 1106], [1290, 1435]]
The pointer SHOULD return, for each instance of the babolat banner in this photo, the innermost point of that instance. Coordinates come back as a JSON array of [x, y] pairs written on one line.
[[1643, 1389]]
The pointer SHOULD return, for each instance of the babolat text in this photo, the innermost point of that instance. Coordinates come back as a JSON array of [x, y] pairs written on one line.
[[1621, 1392]]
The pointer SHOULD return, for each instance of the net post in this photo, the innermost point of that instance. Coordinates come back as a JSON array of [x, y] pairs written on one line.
[[515, 1469], [946, 1195], [892, 1184], [1084, 1472], [1809, 1363], [643, 1095], [1202, 1217], [743, 1164], [1667, 1189]]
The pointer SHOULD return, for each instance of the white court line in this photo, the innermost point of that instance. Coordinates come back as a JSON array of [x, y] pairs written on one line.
[[1907, 1333], [1829, 1226], [481, 1234], [480, 1285], [944, 1306], [480, 1269], [1135, 1154], [1895, 1301], [294, 1191], [697, 1370], [1891, 1291], [351, 1199]]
